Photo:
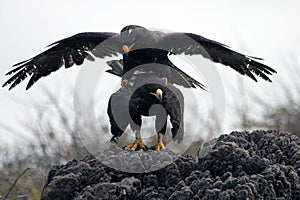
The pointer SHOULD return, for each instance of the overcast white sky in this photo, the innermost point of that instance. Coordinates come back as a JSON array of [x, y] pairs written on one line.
[[267, 29]]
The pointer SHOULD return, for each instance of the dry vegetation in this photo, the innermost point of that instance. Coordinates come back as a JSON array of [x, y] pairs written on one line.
[[56, 139], [281, 111]]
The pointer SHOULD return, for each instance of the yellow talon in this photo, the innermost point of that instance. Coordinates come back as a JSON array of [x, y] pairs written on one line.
[[124, 83], [137, 143], [159, 145], [165, 80]]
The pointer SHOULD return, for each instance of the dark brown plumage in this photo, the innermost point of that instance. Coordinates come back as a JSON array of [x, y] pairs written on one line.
[[138, 46], [145, 59], [127, 106]]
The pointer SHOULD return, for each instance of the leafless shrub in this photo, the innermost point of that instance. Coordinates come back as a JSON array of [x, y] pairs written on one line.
[[279, 111]]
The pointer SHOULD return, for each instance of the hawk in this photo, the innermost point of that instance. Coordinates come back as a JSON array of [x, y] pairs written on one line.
[[138, 47], [127, 106]]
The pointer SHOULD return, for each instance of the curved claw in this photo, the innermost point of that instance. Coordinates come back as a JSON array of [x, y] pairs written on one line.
[[137, 143], [159, 145], [124, 83], [165, 80]]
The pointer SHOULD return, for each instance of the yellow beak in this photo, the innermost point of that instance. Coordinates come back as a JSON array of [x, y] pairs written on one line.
[[126, 48], [158, 94]]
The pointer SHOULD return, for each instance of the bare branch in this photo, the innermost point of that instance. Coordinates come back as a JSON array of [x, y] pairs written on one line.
[[13, 185]]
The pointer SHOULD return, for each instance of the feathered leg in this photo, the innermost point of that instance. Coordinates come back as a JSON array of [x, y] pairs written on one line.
[[165, 80], [124, 84]]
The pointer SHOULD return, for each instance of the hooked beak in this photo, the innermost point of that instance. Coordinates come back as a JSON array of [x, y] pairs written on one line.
[[126, 48], [158, 94]]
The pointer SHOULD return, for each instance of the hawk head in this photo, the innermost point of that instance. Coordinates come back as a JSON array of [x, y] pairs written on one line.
[[130, 35]]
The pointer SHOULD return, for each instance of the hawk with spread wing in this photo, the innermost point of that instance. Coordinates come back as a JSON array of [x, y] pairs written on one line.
[[138, 46]]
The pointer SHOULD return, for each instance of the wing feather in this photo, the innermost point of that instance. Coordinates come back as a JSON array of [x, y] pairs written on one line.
[[191, 44], [65, 52]]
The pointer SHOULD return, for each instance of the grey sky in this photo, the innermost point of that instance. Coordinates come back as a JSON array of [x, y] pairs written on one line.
[[267, 29]]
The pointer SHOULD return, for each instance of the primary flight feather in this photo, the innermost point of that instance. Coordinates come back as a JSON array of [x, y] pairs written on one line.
[[138, 46]]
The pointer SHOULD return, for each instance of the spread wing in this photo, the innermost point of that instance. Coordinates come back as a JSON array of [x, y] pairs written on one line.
[[191, 44], [66, 52]]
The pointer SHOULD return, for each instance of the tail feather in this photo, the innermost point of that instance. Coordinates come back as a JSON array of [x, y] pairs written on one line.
[[116, 67], [179, 77]]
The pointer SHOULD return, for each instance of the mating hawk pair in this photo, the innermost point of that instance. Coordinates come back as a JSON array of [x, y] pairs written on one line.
[[139, 46]]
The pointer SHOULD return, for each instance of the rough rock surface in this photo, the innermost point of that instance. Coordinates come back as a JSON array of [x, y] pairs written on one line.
[[241, 165]]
